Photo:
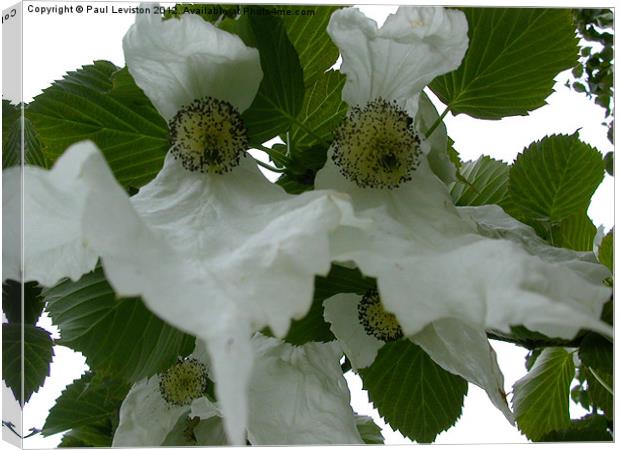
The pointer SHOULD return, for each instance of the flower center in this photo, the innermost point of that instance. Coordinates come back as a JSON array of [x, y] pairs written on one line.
[[376, 146], [185, 381], [208, 135], [377, 321]]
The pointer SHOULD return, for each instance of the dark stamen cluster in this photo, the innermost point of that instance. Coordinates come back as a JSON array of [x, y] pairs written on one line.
[[185, 381], [208, 135], [376, 321], [376, 146]]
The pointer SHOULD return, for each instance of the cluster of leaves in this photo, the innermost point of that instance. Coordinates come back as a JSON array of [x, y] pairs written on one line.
[[509, 68], [594, 73]]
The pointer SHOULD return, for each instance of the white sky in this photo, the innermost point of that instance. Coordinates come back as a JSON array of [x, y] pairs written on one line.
[[55, 44]]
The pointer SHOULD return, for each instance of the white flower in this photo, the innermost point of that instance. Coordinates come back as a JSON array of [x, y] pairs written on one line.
[[440, 279], [297, 396], [218, 254], [398, 60]]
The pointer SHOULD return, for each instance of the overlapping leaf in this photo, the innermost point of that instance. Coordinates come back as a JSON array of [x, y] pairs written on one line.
[[120, 337], [600, 388], [310, 136], [540, 399], [591, 428], [597, 352], [38, 354], [306, 27], [281, 92], [12, 301], [85, 406], [322, 110], [555, 178], [88, 104], [606, 251], [412, 393], [98, 435], [369, 430], [576, 232], [487, 183], [513, 57], [12, 139]]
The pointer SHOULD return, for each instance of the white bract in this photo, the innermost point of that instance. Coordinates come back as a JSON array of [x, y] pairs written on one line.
[[297, 396], [443, 277], [210, 245]]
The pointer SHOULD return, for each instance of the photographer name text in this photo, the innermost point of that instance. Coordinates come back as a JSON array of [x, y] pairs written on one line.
[[88, 9]]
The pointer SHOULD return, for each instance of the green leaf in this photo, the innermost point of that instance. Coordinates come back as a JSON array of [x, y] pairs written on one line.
[[578, 393], [341, 279], [606, 251], [540, 399], [597, 352], [12, 139], [10, 152], [322, 111], [308, 34], [12, 302], [98, 435], [369, 430], [591, 428], [10, 114], [91, 400], [576, 232], [281, 92], [555, 178], [313, 327], [242, 27], [293, 184], [38, 354], [600, 396], [453, 155], [119, 337], [513, 57], [310, 135], [609, 162], [531, 358], [488, 183], [413, 394], [91, 103]]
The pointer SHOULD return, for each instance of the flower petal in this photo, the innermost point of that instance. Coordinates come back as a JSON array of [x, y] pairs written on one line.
[[298, 396], [217, 256], [500, 284], [429, 262], [341, 312], [176, 61], [395, 62], [54, 201], [465, 351], [571, 282], [145, 417], [493, 222], [261, 241]]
